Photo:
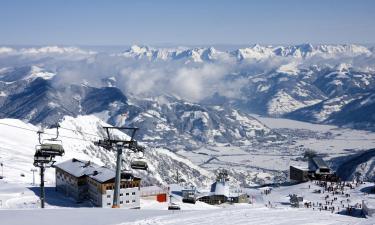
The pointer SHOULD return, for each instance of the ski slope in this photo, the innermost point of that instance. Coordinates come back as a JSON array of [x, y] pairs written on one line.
[[20, 207], [241, 215]]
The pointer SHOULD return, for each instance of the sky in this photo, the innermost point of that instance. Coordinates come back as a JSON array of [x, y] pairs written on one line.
[[182, 22]]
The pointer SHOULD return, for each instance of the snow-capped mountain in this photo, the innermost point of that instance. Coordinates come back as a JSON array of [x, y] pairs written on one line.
[[52, 81], [29, 94], [165, 119], [182, 53], [256, 52], [192, 101], [346, 91]]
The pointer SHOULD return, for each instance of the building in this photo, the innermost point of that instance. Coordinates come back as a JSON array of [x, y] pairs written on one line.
[[189, 195], [85, 180], [220, 192], [299, 174], [317, 168]]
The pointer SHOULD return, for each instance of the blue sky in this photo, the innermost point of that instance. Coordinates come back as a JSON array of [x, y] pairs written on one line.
[[193, 22]]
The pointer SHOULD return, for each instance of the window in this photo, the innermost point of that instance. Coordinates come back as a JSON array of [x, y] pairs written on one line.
[[108, 196], [121, 194], [127, 193], [121, 202], [127, 201], [133, 200], [133, 193], [108, 203]]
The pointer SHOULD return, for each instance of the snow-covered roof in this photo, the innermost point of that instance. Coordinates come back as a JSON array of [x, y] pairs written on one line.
[[320, 163], [80, 168], [104, 174], [301, 167]]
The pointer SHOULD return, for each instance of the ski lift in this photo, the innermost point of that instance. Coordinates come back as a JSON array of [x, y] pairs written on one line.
[[52, 146], [40, 157], [139, 164], [127, 175]]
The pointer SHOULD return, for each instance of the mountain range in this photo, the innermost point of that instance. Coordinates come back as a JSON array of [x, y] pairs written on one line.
[[317, 83], [188, 98]]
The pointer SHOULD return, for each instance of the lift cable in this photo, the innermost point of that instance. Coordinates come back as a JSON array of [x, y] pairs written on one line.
[[34, 131], [64, 128]]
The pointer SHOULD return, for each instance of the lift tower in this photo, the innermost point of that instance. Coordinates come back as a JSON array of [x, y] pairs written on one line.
[[44, 157], [119, 145]]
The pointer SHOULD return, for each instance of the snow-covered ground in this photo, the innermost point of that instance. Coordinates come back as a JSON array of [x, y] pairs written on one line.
[[251, 163], [19, 203], [269, 161]]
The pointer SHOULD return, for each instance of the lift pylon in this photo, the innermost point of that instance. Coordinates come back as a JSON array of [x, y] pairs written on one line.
[[118, 146], [44, 157]]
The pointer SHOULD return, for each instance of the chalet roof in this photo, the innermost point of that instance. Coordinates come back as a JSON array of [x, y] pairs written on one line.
[[320, 163], [303, 168], [80, 168], [77, 168], [104, 174]]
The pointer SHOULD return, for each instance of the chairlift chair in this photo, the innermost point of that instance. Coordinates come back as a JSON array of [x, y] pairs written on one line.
[[127, 175], [53, 148], [139, 164], [40, 157]]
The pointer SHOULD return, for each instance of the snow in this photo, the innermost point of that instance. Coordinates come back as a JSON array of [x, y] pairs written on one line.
[[238, 216], [290, 68], [23, 202], [331, 106], [283, 103], [36, 72], [20, 197]]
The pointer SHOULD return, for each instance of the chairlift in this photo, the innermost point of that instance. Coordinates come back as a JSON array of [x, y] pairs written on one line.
[[127, 174], [53, 148], [139, 164], [40, 158]]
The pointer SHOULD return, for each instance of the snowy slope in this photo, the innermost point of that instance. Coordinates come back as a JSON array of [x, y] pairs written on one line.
[[256, 213], [18, 147]]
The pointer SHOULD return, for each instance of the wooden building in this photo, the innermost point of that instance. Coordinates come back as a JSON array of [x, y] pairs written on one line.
[[84, 180]]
